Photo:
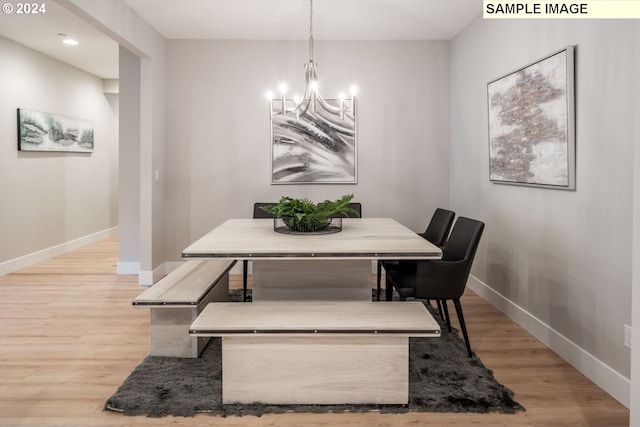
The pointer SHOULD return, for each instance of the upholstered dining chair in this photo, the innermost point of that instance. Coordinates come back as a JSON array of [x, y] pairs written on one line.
[[436, 232], [356, 207], [258, 212], [443, 279]]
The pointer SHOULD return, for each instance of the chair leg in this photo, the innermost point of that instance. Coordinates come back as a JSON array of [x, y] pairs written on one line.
[[439, 302], [245, 273], [379, 276], [446, 314], [463, 326], [388, 289]]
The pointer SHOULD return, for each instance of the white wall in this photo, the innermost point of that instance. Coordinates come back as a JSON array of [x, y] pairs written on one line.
[[635, 304], [120, 22], [50, 199], [129, 176], [557, 262], [218, 128]]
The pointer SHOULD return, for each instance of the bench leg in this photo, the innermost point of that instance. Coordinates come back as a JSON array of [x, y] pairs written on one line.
[[245, 273], [170, 325], [170, 333], [315, 370]]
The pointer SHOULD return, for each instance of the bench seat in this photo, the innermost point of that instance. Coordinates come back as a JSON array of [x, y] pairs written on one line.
[[320, 352], [177, 299]]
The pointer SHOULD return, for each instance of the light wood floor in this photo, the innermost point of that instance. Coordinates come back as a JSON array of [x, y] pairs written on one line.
[[69, 337]]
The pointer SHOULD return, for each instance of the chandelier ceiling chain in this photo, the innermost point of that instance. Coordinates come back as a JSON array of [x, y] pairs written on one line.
[[311, 97], [311, 30]]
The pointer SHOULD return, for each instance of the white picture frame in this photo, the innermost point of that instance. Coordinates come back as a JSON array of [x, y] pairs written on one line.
[[532, 124]]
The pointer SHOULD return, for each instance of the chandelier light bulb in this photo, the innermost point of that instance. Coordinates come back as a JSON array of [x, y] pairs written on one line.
[[283, 88], [354, 90], [269, 95]]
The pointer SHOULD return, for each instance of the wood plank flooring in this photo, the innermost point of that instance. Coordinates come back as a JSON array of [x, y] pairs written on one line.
[[69, 337]]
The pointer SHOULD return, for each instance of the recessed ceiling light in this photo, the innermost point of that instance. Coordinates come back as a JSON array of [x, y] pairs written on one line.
[[68, 40]]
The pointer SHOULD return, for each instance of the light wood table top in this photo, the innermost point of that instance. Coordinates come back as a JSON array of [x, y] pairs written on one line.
[[360, 238]]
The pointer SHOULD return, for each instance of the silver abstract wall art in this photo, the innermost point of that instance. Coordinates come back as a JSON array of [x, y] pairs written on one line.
[[532, 124], [40, 131], [314, 148]]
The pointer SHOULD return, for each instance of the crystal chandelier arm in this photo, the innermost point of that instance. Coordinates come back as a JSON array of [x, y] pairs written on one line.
[[330, 108], [302, 106]]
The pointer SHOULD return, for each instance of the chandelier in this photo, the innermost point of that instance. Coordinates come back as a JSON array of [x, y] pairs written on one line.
[[311, 98]]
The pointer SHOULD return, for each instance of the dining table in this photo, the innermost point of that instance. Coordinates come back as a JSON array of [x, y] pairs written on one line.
[[312, 334], [336, 266]]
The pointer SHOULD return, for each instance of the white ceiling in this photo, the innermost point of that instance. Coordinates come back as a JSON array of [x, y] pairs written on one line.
[[243, 20], [289, 19], [96, 53]]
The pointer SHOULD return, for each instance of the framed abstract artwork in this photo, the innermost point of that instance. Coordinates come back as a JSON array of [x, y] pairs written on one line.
[[532, 124], [316, 147], [39, 131]]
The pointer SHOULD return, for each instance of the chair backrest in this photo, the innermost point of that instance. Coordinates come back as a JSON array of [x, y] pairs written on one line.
[[439, 227], [259, 213], [463, 241], [356, 207], [448, 279]]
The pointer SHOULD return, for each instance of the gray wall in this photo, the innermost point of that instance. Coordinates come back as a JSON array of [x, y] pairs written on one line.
[[121, 23], [564, 258], [49, 199], [218, 128], [129, 177], [635, 315]]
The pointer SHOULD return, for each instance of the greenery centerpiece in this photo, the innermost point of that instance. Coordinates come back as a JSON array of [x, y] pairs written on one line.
[[305, 216]]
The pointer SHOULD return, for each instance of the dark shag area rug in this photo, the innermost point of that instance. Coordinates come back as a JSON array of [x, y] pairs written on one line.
[[442, 378]]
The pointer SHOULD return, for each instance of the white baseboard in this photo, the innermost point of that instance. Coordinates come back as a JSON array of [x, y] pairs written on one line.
[[128, 267], [148, 278], [145, 278], [601, 374], [45, 254]]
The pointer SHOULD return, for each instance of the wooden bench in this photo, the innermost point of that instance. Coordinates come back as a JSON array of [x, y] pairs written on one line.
[[330, 352], [177, 299]]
